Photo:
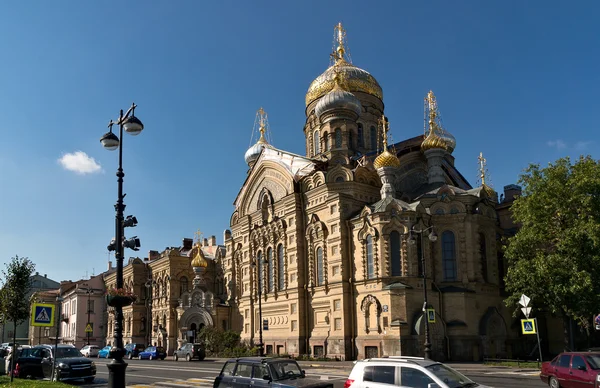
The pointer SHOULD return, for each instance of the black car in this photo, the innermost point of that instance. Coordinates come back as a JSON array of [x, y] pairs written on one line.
[[190, 352], [265, 372], [133, 350], [37, 362]]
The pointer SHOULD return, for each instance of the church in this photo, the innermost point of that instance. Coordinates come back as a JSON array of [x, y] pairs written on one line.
[[361, 248]]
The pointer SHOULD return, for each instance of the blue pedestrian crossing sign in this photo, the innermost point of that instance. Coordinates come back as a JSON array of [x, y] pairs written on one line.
[[42, 314], [528, 326]]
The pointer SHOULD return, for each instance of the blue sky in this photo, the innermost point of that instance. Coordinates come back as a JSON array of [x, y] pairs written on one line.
[[515, 80]]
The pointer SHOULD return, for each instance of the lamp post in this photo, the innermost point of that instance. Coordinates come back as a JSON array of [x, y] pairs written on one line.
[[411, 240], [59, 300], [89, 292], [133, 126], [149, 284], [260, 326]]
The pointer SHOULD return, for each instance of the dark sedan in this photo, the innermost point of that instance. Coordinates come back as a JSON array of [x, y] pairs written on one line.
[[70, 364]]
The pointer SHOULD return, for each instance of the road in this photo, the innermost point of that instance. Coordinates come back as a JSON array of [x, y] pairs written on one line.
[[144, 373]]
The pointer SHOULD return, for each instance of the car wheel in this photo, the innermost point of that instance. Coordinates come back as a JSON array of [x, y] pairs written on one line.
[[554, 383], [175, 357], [187, 357]]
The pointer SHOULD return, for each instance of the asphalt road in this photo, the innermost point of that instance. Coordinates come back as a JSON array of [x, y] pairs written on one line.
[[145, 372]]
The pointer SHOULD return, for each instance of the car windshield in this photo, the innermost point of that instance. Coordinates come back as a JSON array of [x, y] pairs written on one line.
[[68, 352], [593, 360], [285, 370], [451, 377]]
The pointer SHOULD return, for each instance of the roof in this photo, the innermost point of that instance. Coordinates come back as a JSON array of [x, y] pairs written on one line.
[[402, 359]]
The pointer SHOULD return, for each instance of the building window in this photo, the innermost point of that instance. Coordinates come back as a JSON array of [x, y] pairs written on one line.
[[337, 305], [280, 267], [292, 259], [326, 141], [320, 267], [395, 253], [246, 328], [373, 139], [333, 209], [183, 285], [270, 269], [370, 263], [292, 239], [361, 140], [338, 324], [334, 250], [90, 307], [483, 256], [335, 270], [246, 287], [293, 277], [448, 256], [293, 308], [294, 325], [291, 221], [334, 228], [246, 313], [316, 146], [338, 138]]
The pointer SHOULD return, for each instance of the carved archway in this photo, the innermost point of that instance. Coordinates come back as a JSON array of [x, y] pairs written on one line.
[[365, 307]]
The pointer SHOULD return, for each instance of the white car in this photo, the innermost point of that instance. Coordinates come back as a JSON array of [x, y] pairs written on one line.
[[406, 372], [90, 350]]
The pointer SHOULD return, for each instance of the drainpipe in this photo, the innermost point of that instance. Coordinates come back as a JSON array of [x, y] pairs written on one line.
[[441, 304]]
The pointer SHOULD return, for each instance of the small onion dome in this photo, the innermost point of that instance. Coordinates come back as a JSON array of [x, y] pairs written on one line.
[[254, 152], [199, 261], [386, 159], [435, 139], [340, 101]]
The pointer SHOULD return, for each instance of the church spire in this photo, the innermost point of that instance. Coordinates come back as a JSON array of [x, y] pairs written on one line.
[[340, 53], [261, 120]]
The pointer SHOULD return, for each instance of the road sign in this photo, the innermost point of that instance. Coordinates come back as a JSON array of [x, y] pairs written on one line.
[[431, 315], [528, 326], [265, 324], [89, 327], [526, 311], [524, 301], [42, 314]]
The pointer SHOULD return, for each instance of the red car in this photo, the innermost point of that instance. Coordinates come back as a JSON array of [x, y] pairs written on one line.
[[572, 370]]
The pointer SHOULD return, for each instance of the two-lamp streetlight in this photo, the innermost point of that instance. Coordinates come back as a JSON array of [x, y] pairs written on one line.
[[412, 241], [133, 126], [261, 262]]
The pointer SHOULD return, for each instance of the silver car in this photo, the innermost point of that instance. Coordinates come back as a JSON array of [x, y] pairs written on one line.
[[90, 350]]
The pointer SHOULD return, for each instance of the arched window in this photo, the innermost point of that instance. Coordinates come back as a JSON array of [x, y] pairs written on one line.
[[316, 141], [326, 141], [448, 256], [350, 139], [370, 264], [280, 267], [395, 253], [183, 285], [373, 139], [320, 268], [270, 269], [259, 269], [361, 138], [338, 138], [483, 257]]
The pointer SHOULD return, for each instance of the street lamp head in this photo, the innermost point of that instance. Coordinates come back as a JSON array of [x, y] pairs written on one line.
[[130, 222], [132, 243], [133, 126], [110, 141], [433, 236], [112, 246]]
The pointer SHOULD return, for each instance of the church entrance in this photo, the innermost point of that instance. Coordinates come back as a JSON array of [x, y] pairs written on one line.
[[194, 332]]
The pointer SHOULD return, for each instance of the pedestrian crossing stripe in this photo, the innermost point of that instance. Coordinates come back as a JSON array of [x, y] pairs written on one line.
[[42, 314]]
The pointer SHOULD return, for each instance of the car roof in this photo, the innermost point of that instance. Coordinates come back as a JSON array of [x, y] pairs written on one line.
[[258, 359], [401, 359]]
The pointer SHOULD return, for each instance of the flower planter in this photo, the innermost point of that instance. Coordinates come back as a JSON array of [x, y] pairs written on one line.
[[119, 300]]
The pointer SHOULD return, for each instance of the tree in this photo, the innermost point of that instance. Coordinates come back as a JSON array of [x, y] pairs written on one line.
[[554, 258], [14, 292]]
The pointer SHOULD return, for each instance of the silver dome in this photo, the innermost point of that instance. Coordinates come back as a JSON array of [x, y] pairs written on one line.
[[337, 100], [254, 152]]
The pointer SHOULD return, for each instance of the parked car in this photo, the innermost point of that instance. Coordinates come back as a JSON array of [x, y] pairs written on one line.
[[190, 352], [90, 350], [153, 353], [38, 361], [104, 352], [265, 372], [133, 350], [407, 372], [572, 369]]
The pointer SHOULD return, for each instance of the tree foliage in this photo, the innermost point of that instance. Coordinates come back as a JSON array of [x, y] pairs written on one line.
[[17, 285], [554, 258]]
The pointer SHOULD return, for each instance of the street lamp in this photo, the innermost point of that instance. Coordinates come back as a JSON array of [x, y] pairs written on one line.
[[412, 241], [133, 126], [260, 327], [89, 292]]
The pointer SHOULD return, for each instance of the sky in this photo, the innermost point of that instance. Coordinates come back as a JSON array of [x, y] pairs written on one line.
[[516, 80]]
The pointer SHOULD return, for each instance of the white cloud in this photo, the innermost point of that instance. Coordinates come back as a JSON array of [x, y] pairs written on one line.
[[559, 144], [80, 163]]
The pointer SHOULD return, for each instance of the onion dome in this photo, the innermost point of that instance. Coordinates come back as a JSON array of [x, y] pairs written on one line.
[[338, 100], [199, 261], [357, 79], [437, 136], [386, 158]]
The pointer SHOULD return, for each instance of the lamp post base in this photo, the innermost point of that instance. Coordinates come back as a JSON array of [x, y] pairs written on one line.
[[116, 373], [261, 351]]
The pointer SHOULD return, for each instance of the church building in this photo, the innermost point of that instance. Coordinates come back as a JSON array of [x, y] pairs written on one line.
[[359, 247]]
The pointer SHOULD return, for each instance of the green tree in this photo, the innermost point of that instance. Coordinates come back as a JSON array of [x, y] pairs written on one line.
[[16, 287], [554, 258]]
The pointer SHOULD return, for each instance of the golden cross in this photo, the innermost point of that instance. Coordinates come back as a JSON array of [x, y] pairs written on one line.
[[482, 164], [198, 235]]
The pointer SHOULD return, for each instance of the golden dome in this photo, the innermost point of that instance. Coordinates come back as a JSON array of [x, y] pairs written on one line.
[[386, 159], [355, 79], [199, 260], [433, 140]]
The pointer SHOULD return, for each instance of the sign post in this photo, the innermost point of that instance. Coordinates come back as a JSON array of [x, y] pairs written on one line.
[[529, 326]]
